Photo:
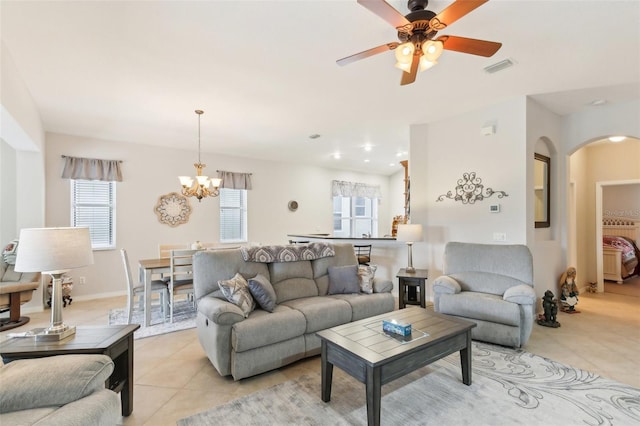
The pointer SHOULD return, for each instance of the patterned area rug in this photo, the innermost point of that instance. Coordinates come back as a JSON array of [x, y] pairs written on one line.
[[184, 316], [510, 387]]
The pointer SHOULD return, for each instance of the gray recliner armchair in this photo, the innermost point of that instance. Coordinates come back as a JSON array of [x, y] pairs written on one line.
[[491, 285]]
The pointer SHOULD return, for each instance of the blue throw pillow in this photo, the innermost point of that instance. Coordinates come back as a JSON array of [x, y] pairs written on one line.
[[343, 279], [263, 292]]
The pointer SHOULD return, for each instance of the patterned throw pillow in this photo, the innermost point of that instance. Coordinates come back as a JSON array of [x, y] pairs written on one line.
[[263, 292], [343, 279], [365, 277], [236, 290]]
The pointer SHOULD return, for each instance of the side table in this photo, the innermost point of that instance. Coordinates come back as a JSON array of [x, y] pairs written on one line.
[[115, 341], [408, 281]]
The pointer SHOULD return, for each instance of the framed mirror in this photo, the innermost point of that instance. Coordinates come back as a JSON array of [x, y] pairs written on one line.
[[541, 188]]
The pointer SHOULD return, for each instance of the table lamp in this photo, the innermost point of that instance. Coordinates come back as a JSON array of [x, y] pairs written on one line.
[[409, 233], [53, 251]]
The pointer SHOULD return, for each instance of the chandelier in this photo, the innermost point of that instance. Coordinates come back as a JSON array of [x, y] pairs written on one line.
[[199, 187]]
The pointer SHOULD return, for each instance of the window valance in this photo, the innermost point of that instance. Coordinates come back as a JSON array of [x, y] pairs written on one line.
[[233, 180], [354, 189], [91, 169]]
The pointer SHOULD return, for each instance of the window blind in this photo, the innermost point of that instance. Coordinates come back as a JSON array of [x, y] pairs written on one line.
[[93, 205], [233, 215]]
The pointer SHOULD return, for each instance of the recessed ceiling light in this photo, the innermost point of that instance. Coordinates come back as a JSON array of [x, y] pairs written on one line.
[[336, 155], [598, 102], [366, 160], [616, 138], [367, 147], [392, 164]]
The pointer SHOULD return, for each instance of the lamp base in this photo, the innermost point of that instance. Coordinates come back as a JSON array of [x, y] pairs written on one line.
[[410, 269], [47, 334]]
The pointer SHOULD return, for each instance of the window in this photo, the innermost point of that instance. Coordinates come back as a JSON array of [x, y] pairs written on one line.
[[233, 215], [354, 217], [93, 204]]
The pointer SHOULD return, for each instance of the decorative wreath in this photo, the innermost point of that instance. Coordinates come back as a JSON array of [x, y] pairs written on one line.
[[173, 209]]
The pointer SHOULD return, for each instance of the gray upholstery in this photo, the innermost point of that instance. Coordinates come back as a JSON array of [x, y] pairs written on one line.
[[64, 389], [16, 289], [491, 285], [243, 347]]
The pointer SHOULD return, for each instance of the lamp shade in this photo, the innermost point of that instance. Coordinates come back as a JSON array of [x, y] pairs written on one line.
[[53, 250], [409, 233]]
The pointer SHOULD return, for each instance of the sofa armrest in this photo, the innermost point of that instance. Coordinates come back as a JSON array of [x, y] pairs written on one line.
[[446, 285], [220, 311], [51, 381], [521, 294], [382, 285]]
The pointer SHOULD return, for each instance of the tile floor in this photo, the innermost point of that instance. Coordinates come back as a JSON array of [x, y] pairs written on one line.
[[174, 379]]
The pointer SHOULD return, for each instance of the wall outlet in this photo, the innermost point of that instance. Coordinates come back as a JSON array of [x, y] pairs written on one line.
[[83, 280], [499, 236]]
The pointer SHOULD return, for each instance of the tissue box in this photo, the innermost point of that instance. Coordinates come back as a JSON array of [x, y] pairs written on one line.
[[392, 326]]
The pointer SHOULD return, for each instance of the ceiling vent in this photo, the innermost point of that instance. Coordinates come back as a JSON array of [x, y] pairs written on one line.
[[499, 66]]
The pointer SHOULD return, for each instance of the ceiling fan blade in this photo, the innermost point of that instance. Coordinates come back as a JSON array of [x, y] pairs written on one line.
[[470, 45], [410, 77], [386, 12], [454, 12], [367, 53]]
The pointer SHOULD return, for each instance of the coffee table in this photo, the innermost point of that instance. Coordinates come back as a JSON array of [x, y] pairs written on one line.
[[115, 341], [375, 358]]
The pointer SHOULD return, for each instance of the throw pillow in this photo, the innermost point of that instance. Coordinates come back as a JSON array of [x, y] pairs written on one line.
[[343, 279], [365, 277], [236, 290], [263, 292]]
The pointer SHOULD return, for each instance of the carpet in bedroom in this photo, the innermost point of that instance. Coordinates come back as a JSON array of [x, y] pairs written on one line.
[[510, 387]]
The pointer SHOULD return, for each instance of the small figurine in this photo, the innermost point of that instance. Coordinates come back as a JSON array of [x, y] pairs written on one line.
[[550, 306], [569, 291]]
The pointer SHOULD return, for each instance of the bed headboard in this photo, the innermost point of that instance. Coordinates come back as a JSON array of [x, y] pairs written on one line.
[[622, 227]]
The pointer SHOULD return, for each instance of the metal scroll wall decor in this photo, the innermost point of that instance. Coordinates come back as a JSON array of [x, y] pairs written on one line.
[[470, 189]]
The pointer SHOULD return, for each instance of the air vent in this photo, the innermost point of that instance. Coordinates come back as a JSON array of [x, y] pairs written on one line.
[[499, 66]]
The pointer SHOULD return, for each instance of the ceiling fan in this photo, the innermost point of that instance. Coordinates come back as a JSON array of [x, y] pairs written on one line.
[[416, 31]]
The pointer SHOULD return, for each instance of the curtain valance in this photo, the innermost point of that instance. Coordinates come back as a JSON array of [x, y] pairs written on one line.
[[233, 180], [91, 169], [354, 189]]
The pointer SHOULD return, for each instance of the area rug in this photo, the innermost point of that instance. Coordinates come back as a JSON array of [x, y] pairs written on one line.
[[184, 317], [510, 387]]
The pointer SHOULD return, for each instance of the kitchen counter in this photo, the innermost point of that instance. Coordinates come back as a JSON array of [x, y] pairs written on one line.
[[330, 237]]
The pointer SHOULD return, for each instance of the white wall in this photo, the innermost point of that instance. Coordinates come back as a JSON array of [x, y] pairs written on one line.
[[621, 201], [150, 172], [441, 152]]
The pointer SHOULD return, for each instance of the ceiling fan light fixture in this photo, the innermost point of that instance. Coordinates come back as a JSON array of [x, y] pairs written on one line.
[[432, 49], [403, 67], [404, 53], [425, 64]]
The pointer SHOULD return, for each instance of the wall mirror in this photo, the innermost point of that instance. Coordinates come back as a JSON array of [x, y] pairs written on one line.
[[542, 203]]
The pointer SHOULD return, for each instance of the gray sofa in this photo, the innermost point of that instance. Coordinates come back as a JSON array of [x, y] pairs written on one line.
[[58, 390], [491, 285], [263, 341]]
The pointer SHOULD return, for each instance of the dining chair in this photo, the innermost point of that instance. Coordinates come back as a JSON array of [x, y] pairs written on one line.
[[157, 286], [363, 254], [181, 276], [164, 250]]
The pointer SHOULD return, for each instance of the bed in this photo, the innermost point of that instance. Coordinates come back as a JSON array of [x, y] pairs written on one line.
[[620, 254]]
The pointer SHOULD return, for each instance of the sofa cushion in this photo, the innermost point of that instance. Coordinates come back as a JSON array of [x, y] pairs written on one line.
[[263, 292], [322, 312], [292, 280], [366, 273], [343, 279], [236, 290], [344, 256], [482, 306], [367, 305], [263, 328]]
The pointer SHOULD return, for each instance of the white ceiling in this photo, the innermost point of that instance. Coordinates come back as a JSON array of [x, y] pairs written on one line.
[[264, 72]]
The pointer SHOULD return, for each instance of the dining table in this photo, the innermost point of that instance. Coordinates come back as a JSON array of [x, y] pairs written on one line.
[[147, 268]]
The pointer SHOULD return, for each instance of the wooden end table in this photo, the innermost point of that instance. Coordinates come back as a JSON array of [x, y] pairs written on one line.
[[115, 341], [374, 358], [407, 283]]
